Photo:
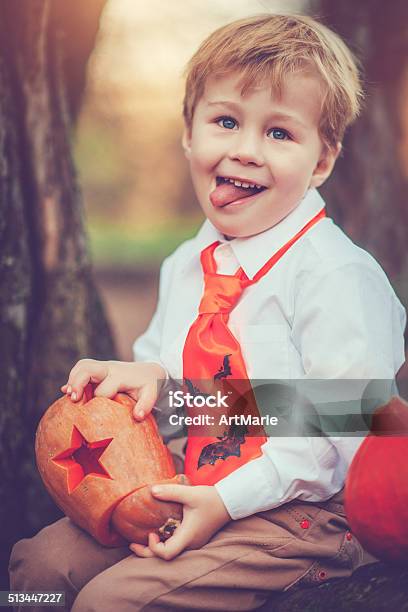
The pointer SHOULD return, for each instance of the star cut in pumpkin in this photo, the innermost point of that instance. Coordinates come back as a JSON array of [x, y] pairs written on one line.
[[82, 458]]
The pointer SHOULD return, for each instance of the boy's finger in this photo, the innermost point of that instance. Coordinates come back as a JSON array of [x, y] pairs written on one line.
[[183, 494], [173, 546], [93, 372], [80, 366], [145, 403], [141, 551], [107, 388]]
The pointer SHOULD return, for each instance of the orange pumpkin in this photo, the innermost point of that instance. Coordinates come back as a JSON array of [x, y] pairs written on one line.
[[98, 464], [376, 490]]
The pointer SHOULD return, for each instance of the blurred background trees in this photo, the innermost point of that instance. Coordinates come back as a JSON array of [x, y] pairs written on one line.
[[50, 312], [120, 117], [368, 191]]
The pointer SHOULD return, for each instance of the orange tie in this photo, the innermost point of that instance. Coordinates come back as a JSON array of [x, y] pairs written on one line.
[[213, 363]]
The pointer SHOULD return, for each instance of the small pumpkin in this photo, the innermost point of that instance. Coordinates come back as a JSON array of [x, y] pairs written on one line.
[[376, 489], [98, 464]]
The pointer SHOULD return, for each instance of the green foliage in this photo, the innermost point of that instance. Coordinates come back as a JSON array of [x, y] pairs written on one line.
[[96, 154], [116, 246]]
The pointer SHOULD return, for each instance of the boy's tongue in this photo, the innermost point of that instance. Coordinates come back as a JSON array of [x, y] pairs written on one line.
[[227, 193]]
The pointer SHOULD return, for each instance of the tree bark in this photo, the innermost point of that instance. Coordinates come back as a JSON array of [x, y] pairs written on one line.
[[368, 190], [50, 313]]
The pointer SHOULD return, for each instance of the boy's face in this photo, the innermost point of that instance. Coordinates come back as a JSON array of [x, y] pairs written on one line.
[[247, 139]]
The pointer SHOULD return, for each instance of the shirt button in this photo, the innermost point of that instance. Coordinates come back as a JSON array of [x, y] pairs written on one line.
[[305, 524]]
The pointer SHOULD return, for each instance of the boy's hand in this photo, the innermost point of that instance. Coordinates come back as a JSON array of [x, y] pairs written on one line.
[[204, 514], [141, 381]]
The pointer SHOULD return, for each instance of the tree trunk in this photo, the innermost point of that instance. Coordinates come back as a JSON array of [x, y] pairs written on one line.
[[50, 313], [368, 190]]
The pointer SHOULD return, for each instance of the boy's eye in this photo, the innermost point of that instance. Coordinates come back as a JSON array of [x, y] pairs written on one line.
[[226, 122], [278, 134], [229, 124]]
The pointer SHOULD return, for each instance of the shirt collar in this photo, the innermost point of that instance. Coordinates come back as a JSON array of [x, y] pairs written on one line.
[[254, 251]]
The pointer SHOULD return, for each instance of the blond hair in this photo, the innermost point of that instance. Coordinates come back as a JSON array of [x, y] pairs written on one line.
[[271, 46]]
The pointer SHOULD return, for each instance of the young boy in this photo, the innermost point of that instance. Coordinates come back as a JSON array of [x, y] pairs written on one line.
[[269, 288]]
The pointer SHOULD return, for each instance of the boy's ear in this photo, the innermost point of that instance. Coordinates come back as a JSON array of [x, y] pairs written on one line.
[[186, 142], [325, 164]]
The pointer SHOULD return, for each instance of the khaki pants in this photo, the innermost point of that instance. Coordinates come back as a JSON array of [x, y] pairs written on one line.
[[298, 544]]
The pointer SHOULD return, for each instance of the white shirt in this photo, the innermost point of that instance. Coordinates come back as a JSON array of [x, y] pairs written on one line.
[[326, 310]]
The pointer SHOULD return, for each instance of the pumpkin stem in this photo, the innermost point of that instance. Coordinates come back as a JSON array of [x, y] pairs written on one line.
[[89, 391], [168, 528]]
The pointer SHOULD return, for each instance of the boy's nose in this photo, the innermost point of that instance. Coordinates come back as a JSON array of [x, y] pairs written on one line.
[[246, 149]]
